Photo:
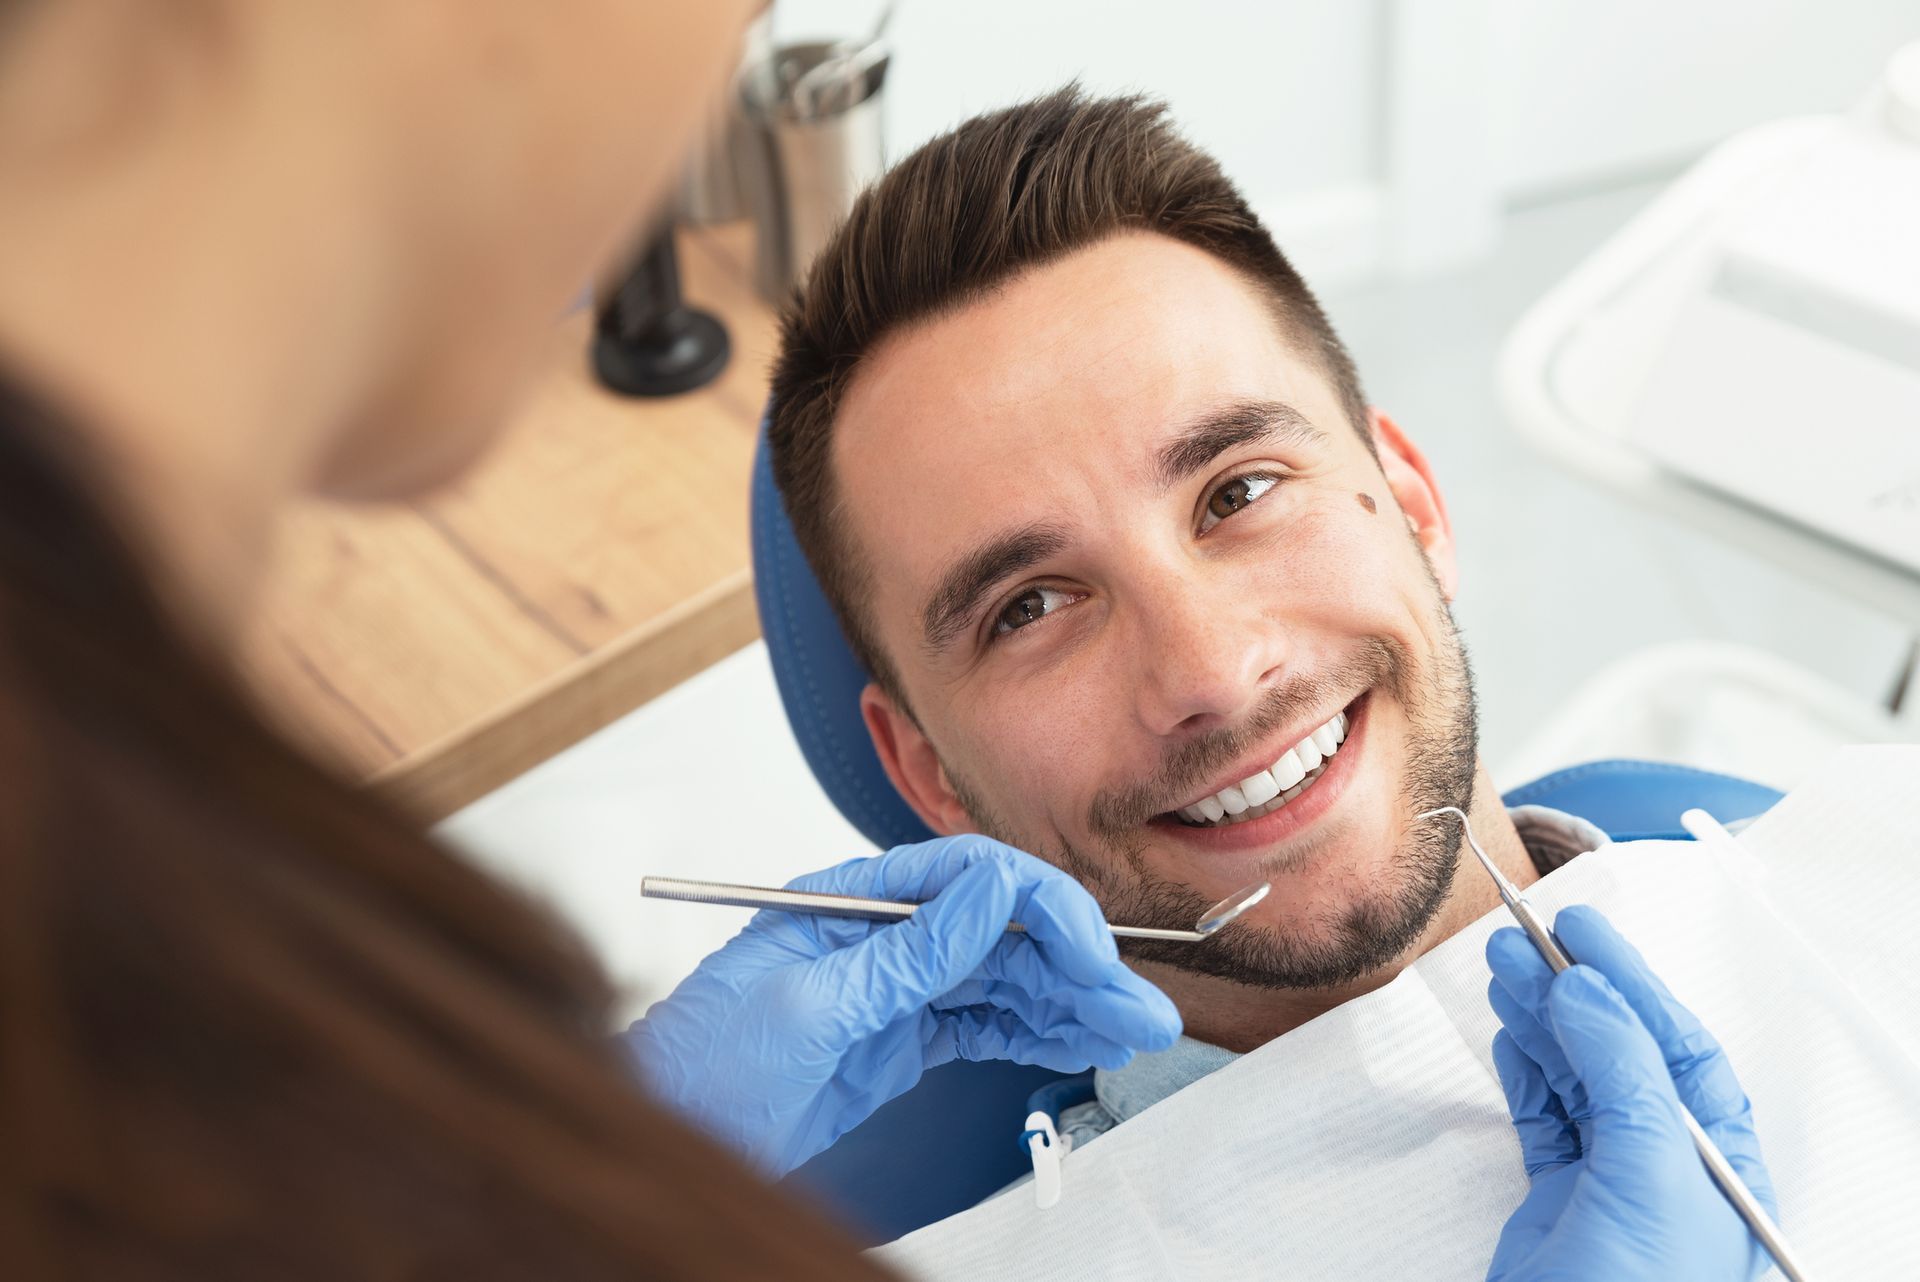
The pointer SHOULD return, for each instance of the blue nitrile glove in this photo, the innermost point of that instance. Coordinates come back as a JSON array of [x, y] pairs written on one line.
[[801, 1026], [1595, 1062]]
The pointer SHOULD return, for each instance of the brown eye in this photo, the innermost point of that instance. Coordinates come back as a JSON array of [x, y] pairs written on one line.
[[1023, 609], [1235, 495], [1229, 498], [1029, 607]]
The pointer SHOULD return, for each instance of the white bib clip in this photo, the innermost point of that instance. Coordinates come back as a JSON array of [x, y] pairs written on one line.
[[1046, 1146]]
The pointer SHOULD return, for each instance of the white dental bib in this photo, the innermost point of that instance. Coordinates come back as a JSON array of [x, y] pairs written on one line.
[[1374, 1142]]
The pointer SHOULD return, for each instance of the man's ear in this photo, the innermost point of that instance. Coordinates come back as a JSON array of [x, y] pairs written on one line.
[[911, 764], [1410, 477]]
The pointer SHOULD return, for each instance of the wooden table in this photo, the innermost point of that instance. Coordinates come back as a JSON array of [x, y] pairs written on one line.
[[598, 557]]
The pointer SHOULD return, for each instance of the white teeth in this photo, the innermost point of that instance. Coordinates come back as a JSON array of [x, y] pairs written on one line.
[[1289, 770], [1259, 789], [1268, 790], [1310, 755]]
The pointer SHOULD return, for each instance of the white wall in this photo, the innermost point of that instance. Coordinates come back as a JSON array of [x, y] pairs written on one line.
[[1587, 91], [1389, 134], [1284, 94]]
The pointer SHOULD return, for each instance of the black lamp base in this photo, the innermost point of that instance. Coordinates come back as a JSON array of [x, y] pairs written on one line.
[[646, 340], [678, 357]]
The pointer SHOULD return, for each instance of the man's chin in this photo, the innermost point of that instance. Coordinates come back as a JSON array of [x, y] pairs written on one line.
[[1357, 883], [1313, 930], [1333, 955]]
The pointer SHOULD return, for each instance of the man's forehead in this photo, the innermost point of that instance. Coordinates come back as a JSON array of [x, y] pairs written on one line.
[[1095, 331]]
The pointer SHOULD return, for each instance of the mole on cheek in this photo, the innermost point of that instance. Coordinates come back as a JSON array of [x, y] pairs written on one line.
[[1366, 501]]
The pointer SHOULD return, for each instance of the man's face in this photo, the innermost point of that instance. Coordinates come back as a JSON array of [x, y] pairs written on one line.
[[1136, 571]]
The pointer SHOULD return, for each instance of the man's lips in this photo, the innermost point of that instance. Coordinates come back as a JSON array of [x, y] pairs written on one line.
[[1258, 837], [1267, 756]]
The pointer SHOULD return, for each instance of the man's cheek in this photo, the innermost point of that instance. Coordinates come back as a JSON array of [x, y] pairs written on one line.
[[1006, 789], [1321, 566]]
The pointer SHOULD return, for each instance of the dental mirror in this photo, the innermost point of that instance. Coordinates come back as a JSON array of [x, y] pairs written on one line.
[[1230, 908], [825, 905]]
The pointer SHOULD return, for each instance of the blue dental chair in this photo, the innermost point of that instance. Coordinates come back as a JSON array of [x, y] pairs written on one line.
[[951, 1141]]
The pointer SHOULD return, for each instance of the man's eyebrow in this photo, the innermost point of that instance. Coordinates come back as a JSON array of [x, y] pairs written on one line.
[[1229, 427], [970, 578]]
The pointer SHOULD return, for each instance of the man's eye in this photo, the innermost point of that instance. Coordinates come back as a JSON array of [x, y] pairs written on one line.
[[1029, 607], [1233, 496]]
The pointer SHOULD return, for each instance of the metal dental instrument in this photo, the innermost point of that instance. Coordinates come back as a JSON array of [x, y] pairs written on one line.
[[1764, 1230], [808, 901]]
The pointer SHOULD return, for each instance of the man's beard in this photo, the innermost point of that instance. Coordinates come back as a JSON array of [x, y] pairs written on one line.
[[1442, 755]]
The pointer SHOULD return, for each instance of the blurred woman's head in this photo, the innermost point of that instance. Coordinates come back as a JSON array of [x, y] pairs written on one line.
[[255, 1026], [266, 248]]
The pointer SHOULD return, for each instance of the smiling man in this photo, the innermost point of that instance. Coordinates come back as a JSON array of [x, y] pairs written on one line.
[[1144, 585]]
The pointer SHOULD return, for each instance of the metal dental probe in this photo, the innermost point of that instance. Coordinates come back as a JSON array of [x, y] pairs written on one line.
[[1764, 1230], [826, 905]]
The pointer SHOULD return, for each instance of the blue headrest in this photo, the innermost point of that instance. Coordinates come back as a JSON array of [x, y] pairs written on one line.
[[1633, 800], [820, 682]]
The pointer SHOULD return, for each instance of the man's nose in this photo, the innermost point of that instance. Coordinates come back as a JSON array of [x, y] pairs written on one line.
[[1206, 654]]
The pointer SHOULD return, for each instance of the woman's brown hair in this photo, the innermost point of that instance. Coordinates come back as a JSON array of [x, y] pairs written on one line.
[[253, 1024]]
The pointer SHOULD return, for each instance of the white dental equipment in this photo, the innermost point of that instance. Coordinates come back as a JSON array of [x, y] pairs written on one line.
[[1744, 1202], [1745, 353], [828, 905]]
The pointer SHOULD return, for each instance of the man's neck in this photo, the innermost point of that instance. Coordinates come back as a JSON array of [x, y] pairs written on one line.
[[1239, 1017]]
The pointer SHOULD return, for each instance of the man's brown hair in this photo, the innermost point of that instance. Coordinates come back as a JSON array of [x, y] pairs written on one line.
[[1001, 194]]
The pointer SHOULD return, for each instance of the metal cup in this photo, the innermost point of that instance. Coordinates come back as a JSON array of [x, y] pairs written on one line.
[[803, 175]]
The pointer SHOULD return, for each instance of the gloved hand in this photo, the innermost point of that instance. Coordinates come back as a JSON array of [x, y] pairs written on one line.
[[1595, 1062], [801, 1026]]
